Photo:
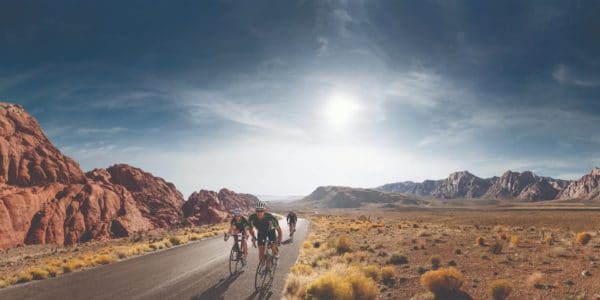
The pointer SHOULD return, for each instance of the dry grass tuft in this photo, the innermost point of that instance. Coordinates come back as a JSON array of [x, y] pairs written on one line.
[[301, 269], [500, 289], [535, 279], [480, 241], [436, 261], [330, 286], [104, 259], [443, 282], [38, 273], [387, 275], [341, 245], [583, 238]]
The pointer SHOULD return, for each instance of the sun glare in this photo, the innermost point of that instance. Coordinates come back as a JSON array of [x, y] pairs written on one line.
[[341, 109]]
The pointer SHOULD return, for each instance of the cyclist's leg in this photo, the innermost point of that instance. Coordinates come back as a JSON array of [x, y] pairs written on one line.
[[245, 245], [273, 237], [261, 239]]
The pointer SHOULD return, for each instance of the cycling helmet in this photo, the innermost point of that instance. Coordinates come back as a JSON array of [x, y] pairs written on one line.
[[237, 212], [260, 205]]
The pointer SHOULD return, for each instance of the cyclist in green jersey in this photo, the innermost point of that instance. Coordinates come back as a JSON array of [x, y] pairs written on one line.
[[266, 226], [239, 224]]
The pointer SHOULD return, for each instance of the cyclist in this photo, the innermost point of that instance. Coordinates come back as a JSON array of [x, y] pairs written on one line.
[[239, 224], [266, 225], [291, 220]]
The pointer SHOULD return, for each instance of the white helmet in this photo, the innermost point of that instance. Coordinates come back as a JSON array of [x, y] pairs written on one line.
[[237, 212], [260, 205]]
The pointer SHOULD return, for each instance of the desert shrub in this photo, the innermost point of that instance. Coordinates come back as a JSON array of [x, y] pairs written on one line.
[[458, 252], [194, 237], [496, 248], [73, 265], [301, 269], [514, 240], [177, 240], [363, 288], [397, 259], [371, 271], [535, 279], [104, 259], [295, 287], [341, 244], [500, 289], [387, 275], [330, 286], [583, 238], [52, 270], [23, 276], [436, 261], [480, 241], [3, 283], [421, 270], [38, 273], [443, 282]]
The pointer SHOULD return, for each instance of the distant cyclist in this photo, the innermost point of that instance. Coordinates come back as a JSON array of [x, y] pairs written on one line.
[[266, 225], [239, 224], [291, 220]]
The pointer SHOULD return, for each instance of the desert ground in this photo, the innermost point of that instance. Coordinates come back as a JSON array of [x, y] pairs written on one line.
[[449, 254]]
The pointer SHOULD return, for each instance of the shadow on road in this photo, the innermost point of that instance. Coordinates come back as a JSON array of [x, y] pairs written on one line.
[[260, 295], [218, 290]]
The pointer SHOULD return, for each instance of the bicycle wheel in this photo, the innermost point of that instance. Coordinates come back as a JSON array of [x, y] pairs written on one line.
[[261, 275], [233, 260]]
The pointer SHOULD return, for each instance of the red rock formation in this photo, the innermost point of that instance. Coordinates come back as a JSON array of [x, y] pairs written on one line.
[[157, 199], [207, 207], [27, 157], [586, 188], [46, 198]]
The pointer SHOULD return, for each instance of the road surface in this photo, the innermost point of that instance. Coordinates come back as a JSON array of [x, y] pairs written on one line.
[[194, 271]]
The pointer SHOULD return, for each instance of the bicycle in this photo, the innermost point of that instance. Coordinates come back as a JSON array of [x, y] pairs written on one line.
[[266, 269], [237, 261]]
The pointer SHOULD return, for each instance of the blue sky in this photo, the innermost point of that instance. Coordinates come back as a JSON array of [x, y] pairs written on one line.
[[279, 97]]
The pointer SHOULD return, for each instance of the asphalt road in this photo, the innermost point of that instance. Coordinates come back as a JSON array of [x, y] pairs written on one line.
[[194, 271]]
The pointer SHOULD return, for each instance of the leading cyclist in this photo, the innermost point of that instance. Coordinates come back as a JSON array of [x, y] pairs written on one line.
[[266, 225]]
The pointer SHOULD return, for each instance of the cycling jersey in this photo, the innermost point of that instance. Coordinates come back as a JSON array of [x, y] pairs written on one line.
[[241, 225], [267, 223]]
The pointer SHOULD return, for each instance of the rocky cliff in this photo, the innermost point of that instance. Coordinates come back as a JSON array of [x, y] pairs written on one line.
[[46, 198], [205, 207], [585, 188]]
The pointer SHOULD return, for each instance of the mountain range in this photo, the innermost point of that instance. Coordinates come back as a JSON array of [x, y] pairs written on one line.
[[520, 186], [46, 198]]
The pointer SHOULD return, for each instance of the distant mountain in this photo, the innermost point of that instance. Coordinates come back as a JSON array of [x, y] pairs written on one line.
[[585, 188], [522, 186], [346, 197]]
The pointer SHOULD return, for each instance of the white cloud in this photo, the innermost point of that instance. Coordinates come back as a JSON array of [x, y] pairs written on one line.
[[565, 76]]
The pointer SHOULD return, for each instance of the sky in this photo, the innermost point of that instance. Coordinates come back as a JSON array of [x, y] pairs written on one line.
[[279, 97]]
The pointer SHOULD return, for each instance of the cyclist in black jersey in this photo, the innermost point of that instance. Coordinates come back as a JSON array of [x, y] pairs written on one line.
[[291, 220], [267, 228], [239, 224]]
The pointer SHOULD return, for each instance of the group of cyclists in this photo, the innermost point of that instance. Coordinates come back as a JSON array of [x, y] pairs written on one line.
[[262, 227]]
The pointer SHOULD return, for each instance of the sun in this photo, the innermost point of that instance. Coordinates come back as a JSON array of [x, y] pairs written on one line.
[[341, 109]]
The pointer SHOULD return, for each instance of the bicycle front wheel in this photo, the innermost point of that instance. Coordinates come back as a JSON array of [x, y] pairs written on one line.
[[233, 261]]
